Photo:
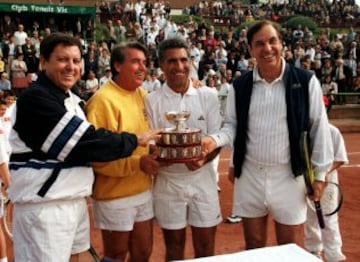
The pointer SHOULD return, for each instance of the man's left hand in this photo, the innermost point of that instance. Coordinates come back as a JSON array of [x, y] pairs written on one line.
[[194, 165]]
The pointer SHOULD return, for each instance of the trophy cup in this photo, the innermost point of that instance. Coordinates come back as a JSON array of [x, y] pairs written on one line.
[[179, 144]]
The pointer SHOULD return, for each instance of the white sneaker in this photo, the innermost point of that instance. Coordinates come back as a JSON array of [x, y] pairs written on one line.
[[335, 258], [233, 219]]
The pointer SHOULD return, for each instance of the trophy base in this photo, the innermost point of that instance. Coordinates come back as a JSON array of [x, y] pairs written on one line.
[[178, 161], [180, 146], [179, 154]]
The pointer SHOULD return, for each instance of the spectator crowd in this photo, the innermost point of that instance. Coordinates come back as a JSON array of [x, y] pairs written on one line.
[[218, 54]]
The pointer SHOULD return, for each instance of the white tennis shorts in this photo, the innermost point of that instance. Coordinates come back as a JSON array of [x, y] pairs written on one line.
[[121, 214], [188, 199], [50, 231], [263, 190]]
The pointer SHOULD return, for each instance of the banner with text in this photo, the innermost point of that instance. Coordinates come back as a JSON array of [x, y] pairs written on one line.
[[49, 9]]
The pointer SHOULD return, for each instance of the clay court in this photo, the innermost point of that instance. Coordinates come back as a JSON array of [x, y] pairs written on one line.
[[229, 236]]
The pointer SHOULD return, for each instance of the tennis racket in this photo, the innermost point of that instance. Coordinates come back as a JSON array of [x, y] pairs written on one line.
[[309, 176], [331, 199]]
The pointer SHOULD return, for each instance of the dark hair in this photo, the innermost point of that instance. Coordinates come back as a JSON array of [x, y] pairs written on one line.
[[9, 93], [170, 44], [118, 54], [258, 26], [50, 42]]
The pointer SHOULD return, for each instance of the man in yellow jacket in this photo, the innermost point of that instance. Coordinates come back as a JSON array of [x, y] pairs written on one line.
[[123, 208]]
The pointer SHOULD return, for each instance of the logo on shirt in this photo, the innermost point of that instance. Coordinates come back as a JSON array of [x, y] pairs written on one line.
[[296, 86], [201, 118]]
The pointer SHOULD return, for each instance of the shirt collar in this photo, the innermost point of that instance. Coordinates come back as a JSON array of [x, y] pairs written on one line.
[[258, 78], [169, 92]]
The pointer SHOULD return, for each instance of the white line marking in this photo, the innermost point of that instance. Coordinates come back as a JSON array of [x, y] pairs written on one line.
[[356, 165], [224, 159], [354, 153]]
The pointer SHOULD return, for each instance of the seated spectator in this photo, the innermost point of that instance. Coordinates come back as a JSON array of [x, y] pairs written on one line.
[[91, 84], [106, 77], [351, 63], [90, 63], [306, 63], [298, 33], [18, 74], [343, 77], [151, 82], [5, 84], [210, 41], [329, 88], [243, 63], [327, 68], [103, 61]]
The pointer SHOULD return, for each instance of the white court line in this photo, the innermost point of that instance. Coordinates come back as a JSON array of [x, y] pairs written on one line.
[[353, 153], [356, 165], [224, 159]]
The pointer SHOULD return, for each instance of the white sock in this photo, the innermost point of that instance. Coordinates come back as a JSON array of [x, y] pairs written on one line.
[[4, 259]]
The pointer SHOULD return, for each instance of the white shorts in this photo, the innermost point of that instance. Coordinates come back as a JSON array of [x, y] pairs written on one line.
[[184, 200], [121, 214], [50, 231], [263, 190]]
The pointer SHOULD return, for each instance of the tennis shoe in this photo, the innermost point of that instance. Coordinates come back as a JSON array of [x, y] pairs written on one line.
[[233, 219], [335, 258]]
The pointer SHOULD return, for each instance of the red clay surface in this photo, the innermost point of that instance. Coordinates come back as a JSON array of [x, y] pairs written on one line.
[[229, 237]]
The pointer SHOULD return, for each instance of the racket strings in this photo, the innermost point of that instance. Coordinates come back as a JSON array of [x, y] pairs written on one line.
[[331, 199]]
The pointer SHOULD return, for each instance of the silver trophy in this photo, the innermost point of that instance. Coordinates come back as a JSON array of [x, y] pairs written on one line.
[[179, 144]]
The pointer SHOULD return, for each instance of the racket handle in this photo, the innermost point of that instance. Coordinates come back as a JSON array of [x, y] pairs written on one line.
[[319, 214]]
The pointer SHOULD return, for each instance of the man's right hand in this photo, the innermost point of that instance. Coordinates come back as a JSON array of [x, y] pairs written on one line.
[[149, 165], [144, 138]]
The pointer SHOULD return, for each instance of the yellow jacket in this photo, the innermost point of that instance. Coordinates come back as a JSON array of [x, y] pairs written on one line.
[[117, 110]]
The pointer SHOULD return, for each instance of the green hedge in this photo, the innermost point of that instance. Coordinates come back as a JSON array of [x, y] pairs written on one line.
[[301, 20]]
